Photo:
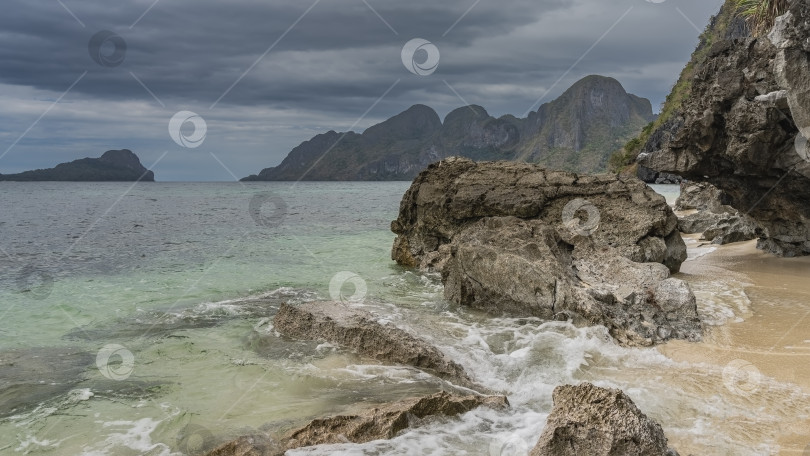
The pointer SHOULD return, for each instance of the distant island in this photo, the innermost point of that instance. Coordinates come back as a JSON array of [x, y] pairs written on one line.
[[576, 132], [115, 165]]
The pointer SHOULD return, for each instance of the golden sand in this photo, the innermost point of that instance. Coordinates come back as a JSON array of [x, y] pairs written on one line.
[[766, 343]]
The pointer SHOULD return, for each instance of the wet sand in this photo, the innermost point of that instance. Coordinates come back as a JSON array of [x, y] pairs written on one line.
[[766, 343]]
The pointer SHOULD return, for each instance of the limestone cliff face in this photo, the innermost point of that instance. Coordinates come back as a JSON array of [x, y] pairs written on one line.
[[114, 165], [575, 132], [738, 128]]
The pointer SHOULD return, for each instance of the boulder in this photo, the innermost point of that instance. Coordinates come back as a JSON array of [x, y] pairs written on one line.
[[719, 223], [361, 332], [731, 127], [379, 423], [594, 421], [508, 239]]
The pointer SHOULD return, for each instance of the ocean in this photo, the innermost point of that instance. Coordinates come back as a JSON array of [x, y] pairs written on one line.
[[137, 319]]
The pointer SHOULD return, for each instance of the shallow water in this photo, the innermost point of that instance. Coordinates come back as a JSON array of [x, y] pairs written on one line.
[[180, 282]]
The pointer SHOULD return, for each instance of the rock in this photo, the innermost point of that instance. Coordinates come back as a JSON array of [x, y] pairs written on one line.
[[507, 239], [594, 421], [731, 127], [719, 223], [249, 445], [113, 165], [360, 332], [30, 376], [380, 423], [701, 196], [651, 176], [387, 421]]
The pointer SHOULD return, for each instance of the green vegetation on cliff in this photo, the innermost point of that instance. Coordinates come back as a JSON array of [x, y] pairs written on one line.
[[761, 14], [718, 29]]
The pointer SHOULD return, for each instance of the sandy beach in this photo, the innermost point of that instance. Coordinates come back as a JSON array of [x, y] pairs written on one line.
[[765, 344]]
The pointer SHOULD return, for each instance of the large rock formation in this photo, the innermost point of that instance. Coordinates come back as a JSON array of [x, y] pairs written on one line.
[[360, 331], [508, 239], [576, 132], [737, 125], [593, 421], [114, 165], [379, 423]]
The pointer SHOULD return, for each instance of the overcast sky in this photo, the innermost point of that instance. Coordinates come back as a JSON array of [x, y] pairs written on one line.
[[266, 75]]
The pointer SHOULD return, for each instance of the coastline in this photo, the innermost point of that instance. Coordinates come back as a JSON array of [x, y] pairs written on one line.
[[766, 348]]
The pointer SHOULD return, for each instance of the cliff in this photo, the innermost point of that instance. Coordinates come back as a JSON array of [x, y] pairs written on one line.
[[737, 122]]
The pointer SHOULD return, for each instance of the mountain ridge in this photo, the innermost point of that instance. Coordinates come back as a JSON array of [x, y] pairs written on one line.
[[575, 132]]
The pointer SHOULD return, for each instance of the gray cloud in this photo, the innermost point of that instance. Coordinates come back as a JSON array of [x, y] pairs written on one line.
[[324, 74]]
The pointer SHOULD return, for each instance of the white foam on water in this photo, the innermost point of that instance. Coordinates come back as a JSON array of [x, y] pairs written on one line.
[[135, 435], [527, 358]]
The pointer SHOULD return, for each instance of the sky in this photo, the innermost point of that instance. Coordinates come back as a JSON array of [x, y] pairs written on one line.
[[205, 90]]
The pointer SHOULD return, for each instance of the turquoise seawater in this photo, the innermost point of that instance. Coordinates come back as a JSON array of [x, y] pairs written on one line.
[[137, 319]]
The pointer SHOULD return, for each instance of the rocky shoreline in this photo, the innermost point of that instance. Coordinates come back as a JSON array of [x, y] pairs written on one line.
[[515, 239]]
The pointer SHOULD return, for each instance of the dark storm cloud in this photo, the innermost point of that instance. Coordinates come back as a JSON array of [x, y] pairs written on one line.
[[324, 72]]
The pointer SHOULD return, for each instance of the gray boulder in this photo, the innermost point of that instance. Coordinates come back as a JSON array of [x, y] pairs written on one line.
[[384, 422], [508, 239], [593, 421], [719, 223], [360, 332]]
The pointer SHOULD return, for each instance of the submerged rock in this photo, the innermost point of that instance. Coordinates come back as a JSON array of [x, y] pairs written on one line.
[[594, 421], [507, 238], [379, 423], [29, 376], [360, 331]]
